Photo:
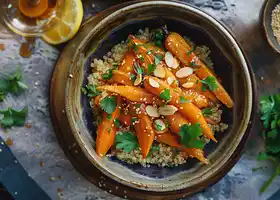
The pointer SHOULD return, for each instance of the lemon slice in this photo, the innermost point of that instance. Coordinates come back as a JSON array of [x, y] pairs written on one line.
[[68, 25]]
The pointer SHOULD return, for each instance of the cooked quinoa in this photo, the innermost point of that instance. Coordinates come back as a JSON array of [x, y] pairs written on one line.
[[275, 22], [164, 156]]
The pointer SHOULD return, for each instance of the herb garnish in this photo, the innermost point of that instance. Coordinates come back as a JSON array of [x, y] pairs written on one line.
[[90, 91], [207, 111], [109, 104], [190, 136], [11, 117], [158, 58], [151, 68], [126, 141], [183, 100], [209, 83], [165, 94], [117, 123]]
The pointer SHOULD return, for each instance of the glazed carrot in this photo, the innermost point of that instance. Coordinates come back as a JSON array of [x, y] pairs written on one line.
[[210, 121], [127, 63], [106, 131], [125, 119], [97, 100], [180, 48], [145, 132], [121, 77], [197, 86], [190, 95], [144, 59], [129, 92], [187, 109], [173, 141], [175, 121], [146, 47]]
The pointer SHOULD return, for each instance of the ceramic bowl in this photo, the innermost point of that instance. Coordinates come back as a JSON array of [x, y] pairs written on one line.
[[268, 7], [72, 116]]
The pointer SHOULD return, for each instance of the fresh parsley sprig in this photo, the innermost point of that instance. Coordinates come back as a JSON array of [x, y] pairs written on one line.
[[190, 136], [11, 117], [126, 141], [90, 90], [109, 104], [270, 116], [209, 83], [11, 83]]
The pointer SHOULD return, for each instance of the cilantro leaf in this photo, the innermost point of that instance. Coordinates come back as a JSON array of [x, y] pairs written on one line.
[[132, 77], [165, 94], [11, 117], [209, 83], [117, 123], [207, 111], [151, 68], [11, 83], [107, 75], [183, 100], [141, 58], [126, 141], [91, 91], [158, 58], [109, 104], [190, 51], [190, 136]]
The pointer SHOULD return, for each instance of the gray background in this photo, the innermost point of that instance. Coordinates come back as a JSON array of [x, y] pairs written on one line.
[[38, 146]]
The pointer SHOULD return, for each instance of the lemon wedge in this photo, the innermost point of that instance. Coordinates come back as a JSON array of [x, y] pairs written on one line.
[[68, 25]]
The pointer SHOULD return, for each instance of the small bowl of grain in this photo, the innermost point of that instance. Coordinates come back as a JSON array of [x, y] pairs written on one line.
[[271, 23]]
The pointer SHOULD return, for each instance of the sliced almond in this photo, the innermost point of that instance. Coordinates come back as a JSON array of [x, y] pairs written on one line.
[[188, 85], [175, 63], [159, 125], [169, 59], [138, 79], [159, 72], [167, 110], [184, 72], [152, 111], [170, 80], [153, 83]]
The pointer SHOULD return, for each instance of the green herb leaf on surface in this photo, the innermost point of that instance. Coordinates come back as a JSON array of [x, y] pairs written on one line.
[[109, 104], [107, 75], [190, 136], [165, 95], [117, 123], [11, 117], [126, 141], [209, 83]]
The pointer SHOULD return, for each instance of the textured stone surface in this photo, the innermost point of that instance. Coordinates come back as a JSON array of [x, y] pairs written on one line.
[[37, 148]]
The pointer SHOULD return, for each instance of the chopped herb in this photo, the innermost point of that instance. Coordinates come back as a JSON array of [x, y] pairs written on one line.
[[138, 69], [132, 77], [109, 104], [165, 95], [141, 58], [190, 136], [109, 116], [126, 141], [190, 51], [192, 64], [107, 75], [159, 38], [11, 83], [90, 91], [207, 111], [151, 68], [138, 105], [134, 119], [209, 83], [134, 47], [158, 58], [150, 52], [11, 117], [117, 123], [183, 100], [159, 127], [270, 116]]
